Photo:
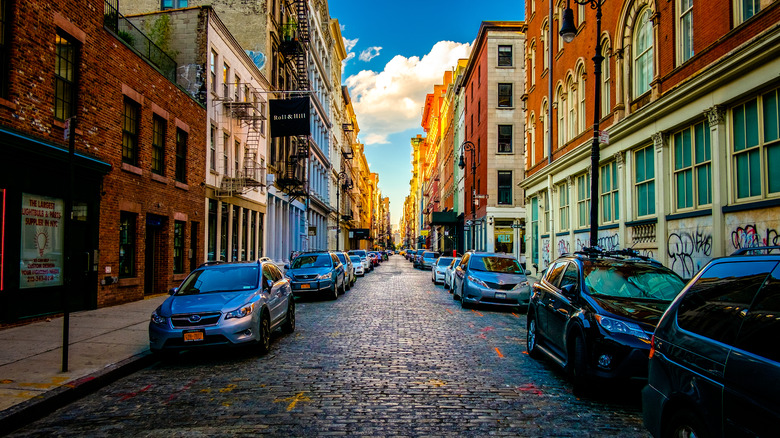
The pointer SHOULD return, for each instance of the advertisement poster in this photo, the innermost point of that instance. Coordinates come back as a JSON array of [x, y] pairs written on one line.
[[43, 235]]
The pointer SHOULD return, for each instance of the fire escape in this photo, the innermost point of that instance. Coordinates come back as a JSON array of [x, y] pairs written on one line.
[[295, 40], [246, 114]]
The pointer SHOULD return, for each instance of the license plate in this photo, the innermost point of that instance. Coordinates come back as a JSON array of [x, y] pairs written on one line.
[[194, 336], [501, 295], [305, 286]]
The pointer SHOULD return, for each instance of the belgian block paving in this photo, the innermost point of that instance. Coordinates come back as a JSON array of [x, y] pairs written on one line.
[[394, 356]]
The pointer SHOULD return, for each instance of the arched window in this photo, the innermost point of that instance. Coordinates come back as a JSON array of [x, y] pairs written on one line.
[[560, 103], [532, 141], [571, 99], [582, 122], [606, 103], [643, 53], [545, 128], [533, 63], [545, 44]]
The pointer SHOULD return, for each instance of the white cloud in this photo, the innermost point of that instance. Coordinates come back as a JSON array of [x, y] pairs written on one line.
[[390, 101], [350, 44], [370, 53]]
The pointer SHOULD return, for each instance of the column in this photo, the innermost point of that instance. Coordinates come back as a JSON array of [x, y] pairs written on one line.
[[720, 187], [661, 197]]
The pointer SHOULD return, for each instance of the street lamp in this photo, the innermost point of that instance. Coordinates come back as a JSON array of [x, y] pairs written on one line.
[[347, 184], [469, 146], [568, 32]]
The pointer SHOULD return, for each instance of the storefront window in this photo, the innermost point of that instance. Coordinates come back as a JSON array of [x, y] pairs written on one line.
[[178, 247], [504, 237], [43, 235], [127, 244], [212, 248]]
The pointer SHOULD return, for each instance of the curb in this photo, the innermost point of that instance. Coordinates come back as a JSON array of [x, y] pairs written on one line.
[[38, 407]]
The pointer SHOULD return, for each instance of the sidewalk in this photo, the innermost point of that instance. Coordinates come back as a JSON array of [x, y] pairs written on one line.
[[105, 344]]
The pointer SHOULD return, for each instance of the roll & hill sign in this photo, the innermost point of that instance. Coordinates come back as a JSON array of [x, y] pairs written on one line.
[[289, 117]]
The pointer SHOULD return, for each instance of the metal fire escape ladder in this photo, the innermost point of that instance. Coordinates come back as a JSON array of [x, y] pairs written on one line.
[[301, 62]]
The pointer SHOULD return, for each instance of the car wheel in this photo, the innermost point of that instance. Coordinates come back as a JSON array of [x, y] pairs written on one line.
[[464, 304], [264, 332], [289, 322], [577, 362], [684, 423], [455, 295], [530, 339]]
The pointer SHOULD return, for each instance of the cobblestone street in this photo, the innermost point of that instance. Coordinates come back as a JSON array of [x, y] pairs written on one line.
[[394, 356]]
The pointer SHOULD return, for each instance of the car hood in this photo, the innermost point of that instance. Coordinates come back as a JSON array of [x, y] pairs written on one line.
[[643, 311], [308, 271], [498, 277], [210, 302]]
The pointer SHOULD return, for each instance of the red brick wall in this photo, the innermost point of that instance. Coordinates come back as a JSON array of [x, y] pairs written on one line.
[[476, 110], [107, 67]]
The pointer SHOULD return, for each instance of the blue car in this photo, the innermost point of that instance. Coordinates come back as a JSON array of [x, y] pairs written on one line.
[[317, 273], [224, 304]]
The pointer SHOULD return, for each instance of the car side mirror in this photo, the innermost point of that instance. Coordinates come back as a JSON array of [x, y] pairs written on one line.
[[173, 291], [286, 266], [527, 272], [267, 284]]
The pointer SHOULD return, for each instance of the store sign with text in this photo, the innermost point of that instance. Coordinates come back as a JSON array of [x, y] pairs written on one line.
[[289, 117], [43, 237]]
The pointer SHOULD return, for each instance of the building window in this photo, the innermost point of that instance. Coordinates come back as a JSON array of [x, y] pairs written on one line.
[[606, 104], [236, 156], [572, 100], [563, 206], [173, 4], [610, 202], [545, 119], [213, 148], [237, 91], [532, 141], [178, 247], [545, 45], [65, 78], [581, 113], [505, 138], [545, 212], [583, 200], [534, 230], [505, 95], [212, 227], [560, 102], [643, 53], [158, 145], [181, 156], [504, 56], [130, 117], [685, 31], [5, 67], [533, 63], [127, 244], [225, 83], [692, 166], [644, 181], [757, 146], [746, 9], [504, 187], [225, 162], [213, 68]]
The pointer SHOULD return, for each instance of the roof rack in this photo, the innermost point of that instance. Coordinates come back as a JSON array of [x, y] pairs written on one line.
[[212, 262], [624, 254], [753, 250]]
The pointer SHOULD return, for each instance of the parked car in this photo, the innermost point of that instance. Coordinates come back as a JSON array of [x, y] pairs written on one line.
[[490, 278], [714, 362], [317, 272], [594, 313], [357, 263], [427, 260], [363, 254], [349, 268], [224, 304], [441, 265], [374, 259], [448, 273], [417, 258]]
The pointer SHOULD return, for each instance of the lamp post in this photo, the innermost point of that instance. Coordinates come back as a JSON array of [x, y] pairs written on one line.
[[469, 146], [346, 184], [568, 32]]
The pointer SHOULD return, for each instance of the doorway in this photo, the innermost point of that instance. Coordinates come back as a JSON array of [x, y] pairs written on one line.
[[154, 257]]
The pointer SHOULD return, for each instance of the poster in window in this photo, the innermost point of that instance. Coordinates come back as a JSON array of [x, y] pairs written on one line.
[[43, 235]]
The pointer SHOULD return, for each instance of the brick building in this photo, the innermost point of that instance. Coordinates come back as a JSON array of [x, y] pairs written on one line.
[[139, 151], [689, 98]]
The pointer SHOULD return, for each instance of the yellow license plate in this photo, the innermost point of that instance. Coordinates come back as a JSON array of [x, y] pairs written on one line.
[[305, 286], [193, 336]]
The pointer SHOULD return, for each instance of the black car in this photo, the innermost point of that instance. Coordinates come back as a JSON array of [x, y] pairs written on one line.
[[715, 363], [593, 313]]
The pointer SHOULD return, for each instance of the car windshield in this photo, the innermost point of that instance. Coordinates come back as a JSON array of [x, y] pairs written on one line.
[[444, 261], [312, 261], [232, 279], [342, 257], [455, 262], [503, 265], [430, 255], [355, 258], [632, 281]]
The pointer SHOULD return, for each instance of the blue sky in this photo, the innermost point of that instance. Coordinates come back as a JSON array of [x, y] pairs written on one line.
[[398, 51]]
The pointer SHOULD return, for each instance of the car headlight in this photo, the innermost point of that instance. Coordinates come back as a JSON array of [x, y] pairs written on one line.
[[613, 325], [327, 276], [241, 312], [478, 282], [521, 285], [156, 318]]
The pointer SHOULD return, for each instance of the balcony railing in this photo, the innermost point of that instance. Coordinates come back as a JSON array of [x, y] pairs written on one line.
[[133, 37]]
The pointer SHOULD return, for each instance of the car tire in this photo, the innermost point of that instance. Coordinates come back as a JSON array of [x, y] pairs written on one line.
[[684, 423], [264, 332], [578, 363], [455, 295], [531, 339], [289, 321], [464, 304]]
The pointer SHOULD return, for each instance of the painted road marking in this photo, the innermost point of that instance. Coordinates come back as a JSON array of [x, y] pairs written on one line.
[[499, 352], [515, 315], [293, 400], [479, 314]]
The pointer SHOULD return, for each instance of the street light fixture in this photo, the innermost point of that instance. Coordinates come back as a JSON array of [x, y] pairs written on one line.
[[568, 32], [469, 146]]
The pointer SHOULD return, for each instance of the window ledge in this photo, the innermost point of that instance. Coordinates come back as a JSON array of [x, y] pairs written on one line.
[[504, 153], [132, 169], [506, 67], [8, 104], [159, 178], [505, 107], [127, 282], [181, 185]]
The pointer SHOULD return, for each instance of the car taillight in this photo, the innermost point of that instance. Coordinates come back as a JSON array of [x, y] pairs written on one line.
[[652, 348]]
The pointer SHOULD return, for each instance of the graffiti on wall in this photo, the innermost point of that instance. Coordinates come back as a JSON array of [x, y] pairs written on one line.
[[749, 236], [545, 253], [689, 250], [607, 242], [563, 246]]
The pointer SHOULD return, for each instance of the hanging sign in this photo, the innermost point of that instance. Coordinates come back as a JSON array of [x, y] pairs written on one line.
[[289, 117], [43, 235]]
